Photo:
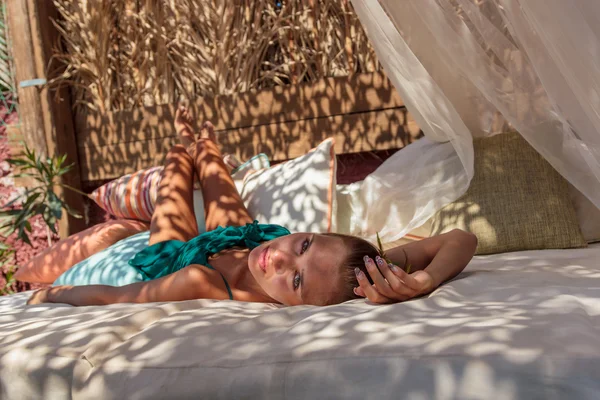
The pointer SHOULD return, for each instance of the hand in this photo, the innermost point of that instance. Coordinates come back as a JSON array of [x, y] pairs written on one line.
[[390, 283], [40, 297]]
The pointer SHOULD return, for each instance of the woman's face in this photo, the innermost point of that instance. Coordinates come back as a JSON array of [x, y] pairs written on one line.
[[301, 268]]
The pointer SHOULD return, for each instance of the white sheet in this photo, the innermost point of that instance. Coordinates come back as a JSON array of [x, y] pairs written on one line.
[[512, 326]]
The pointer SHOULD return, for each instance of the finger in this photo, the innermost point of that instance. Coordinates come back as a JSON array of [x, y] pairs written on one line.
[[404, 277], [378, 280], [370, 292], [397, 286], [359, 292]]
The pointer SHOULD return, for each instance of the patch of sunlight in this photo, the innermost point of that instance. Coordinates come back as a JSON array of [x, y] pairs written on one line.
[[440, 344], [501, 334], [182, 330], [523, 356], [445, 382], [159, 353], [447, 303], [76, 336], [488, 323], [477, 378], [447, 322], [139, 343], [331, 331], [486, 348], [63, 322], [59, 362], [371, 326], [315, 346]]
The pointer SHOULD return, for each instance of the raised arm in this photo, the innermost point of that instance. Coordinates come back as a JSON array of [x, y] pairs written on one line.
[[417, 268], [192, 282]]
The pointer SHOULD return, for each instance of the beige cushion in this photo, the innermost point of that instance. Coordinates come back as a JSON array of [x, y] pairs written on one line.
[[516, 201]]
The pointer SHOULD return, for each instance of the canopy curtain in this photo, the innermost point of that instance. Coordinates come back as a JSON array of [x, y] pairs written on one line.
[[471, 68]]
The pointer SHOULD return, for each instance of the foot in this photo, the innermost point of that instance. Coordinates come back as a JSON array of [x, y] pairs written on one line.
[[208, 132], [183, 126]]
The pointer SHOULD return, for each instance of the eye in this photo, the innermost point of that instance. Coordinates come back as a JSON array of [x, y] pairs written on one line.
[[304, 246], [296, 281]]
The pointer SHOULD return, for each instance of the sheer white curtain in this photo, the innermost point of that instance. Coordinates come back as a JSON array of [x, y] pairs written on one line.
[[469, 68]]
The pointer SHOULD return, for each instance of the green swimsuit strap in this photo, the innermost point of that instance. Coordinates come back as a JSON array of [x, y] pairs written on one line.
[[164, 258]]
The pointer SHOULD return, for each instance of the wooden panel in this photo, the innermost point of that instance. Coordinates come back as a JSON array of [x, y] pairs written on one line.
[[376, 130], [30, 109], [56, 106], [328, 97], [47, 122]]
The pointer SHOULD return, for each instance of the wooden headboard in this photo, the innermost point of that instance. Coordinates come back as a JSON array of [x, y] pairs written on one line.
[[363, 112]]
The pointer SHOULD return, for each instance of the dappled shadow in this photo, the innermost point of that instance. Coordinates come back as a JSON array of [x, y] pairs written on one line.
[[513, 199], [518, 325], [362, 112]]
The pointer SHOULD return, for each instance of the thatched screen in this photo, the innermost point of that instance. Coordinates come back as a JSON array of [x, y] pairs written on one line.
[[124, 54]]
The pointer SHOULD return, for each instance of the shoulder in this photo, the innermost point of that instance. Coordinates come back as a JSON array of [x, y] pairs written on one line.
[[198, 273], [206, 282]]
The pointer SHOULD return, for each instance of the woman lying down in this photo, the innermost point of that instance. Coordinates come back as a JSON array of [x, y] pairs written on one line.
[[239, 259]]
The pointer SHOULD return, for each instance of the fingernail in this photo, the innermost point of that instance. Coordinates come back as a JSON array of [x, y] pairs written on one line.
[[379, 261], [393, 267], [355, 292], [358, 272], [366, 259]]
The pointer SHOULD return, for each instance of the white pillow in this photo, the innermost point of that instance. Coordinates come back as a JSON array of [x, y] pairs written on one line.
[[298, 194]]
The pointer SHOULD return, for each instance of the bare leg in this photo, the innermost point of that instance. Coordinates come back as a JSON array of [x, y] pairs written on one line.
[[173, 216], [223, 205]]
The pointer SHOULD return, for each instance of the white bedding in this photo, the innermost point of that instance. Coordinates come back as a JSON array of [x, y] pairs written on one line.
[[512, 326]]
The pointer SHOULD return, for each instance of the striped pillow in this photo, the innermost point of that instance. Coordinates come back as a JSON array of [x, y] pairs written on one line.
[[133, 196]]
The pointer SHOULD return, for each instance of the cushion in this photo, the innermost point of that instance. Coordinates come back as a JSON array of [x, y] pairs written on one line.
[[528, 328], [298, 194], [48, 265], [516, 201], [588, 215], [134, 195], [130, 196], [109, 266]]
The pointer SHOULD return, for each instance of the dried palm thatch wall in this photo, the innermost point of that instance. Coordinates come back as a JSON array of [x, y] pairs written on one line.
[[124, 54]]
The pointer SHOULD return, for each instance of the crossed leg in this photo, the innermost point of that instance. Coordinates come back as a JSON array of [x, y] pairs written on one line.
[[173, 216]]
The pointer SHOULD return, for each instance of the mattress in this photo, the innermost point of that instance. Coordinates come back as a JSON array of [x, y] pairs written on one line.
[[519, 325]]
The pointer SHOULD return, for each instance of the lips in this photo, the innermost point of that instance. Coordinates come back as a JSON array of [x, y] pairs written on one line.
[[262, 261]]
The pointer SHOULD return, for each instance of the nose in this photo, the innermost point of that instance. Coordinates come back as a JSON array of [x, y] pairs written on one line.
[[281, 260]]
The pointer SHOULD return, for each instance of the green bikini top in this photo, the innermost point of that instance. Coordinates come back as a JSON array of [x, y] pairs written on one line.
[[170, 256]]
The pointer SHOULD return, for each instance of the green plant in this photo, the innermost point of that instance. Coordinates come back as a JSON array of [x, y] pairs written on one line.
[[41, 199], [7, 268]]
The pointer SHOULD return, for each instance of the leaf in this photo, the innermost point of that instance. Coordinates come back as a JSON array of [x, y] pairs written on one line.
[[74, 190], [55, 205], [30, 200], [64, 170], [72, 212], [12, 202], [17, 162], [50, 219]]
